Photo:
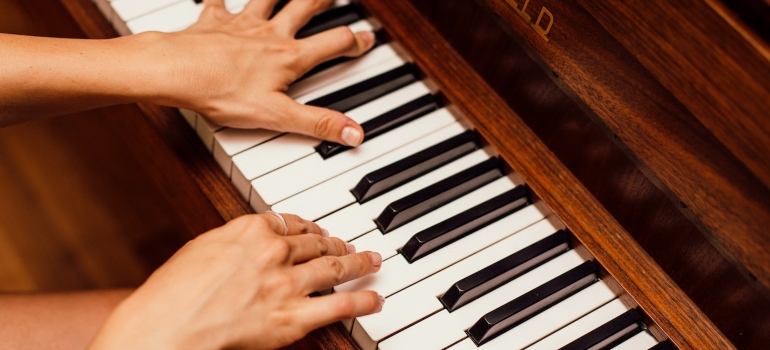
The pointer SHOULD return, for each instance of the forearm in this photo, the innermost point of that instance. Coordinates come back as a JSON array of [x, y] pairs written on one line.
[[45, 77], [55, 321]]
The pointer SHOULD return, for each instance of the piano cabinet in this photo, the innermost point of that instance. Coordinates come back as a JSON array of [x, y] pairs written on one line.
[[642, 125]]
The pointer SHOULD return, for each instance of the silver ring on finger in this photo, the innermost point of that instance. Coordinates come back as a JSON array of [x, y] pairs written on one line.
[[283, 221]]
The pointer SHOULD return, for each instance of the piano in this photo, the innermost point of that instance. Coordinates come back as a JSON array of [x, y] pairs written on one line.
[[539, 173]]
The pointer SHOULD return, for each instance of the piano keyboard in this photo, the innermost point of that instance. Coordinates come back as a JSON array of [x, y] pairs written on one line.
[[469, 261]]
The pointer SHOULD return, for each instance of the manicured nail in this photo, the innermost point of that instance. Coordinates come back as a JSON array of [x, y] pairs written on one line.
[[382, 302], [368, 38], [351, 248], [376, 259], [324, 232], [351, 136]]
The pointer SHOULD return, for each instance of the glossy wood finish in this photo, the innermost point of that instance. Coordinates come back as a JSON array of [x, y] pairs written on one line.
[[625, 98], [598, 231], [720, 76]]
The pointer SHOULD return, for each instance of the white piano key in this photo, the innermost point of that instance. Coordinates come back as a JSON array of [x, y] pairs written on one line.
[[370, 72], [421, 299], [361, 26], [234, 142], [267, 157], [387, 244], [313, 169], [175, 17], [229, 142], [343, 70], [335, 193], [288, 148], [206, 130], [550, 320], [127, 10], [358, 219], [582, 326], [168, 19], [444, 329], [396, 273], [641, 341]]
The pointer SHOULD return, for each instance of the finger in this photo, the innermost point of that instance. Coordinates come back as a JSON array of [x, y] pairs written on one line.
[[334, 43], [319, 122], [259, 9], [308, 247], [320, 311], [297, 13], [328, 271], [276, 222], [299, 226]]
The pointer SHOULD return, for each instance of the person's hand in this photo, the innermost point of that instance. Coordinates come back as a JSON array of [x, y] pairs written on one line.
[[244, 285], [235, 68]]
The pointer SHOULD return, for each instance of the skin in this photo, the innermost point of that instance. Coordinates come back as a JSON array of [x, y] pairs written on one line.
[[245, 284], [237, 78]]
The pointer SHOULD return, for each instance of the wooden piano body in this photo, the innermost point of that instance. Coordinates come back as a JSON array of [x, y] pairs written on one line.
[[644, 125]]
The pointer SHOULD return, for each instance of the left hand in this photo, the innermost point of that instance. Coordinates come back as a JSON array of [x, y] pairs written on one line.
[[235, 68]]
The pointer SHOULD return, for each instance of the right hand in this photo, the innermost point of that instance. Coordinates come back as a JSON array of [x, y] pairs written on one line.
[[244, 285]]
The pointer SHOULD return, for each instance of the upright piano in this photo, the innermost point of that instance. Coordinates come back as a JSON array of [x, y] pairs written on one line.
[[642, 128]]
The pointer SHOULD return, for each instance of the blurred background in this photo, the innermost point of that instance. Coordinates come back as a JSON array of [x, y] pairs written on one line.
[[77, 210]]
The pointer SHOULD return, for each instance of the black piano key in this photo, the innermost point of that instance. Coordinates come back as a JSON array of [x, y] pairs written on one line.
[[508, 268], [336, 17], [663, 346], [612, 332], [385, 122], [531, 303], [463, 224], [414, 166], [433, 196], [368, 90], [278, 7]]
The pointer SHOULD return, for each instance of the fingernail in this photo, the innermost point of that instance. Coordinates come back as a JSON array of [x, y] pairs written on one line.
[[351, 248], [351, 136], [376, 259], [382, 302], [324, 232], [368, 38]]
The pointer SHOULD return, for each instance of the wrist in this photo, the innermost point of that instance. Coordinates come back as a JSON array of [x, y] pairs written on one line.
[[151, 71]]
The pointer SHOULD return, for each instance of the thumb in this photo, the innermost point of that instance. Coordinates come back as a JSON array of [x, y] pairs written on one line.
[[321, 123]]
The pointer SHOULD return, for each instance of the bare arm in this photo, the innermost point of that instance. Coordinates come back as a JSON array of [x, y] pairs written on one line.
[[55, 321], [234, 69]]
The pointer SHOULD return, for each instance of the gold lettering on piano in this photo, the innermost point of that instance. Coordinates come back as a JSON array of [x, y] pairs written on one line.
[[540, 26]]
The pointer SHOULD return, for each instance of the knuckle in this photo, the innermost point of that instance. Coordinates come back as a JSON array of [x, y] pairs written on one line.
[[342, 249], [346, 37], [336, 269], [324, 126], [279, 249], [321, 245]]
